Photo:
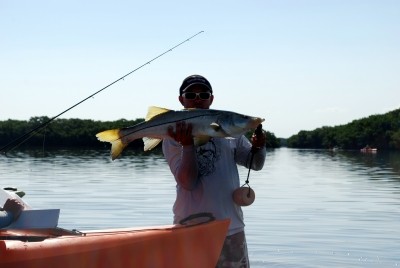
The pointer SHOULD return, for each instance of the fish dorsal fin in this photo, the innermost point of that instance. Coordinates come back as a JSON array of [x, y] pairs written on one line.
[[150, 143], [201, 140], [154, 111]]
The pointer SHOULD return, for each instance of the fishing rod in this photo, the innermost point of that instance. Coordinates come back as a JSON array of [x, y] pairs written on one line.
[[18, 141]]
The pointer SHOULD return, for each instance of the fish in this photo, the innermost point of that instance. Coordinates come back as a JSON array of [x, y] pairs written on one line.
[[206, 124]]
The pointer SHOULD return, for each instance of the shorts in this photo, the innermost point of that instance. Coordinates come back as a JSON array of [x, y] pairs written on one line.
[[234, 252]]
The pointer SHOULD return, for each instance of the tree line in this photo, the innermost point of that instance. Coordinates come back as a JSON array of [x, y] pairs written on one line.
[[64, 133], [377, 131], [74, 133]]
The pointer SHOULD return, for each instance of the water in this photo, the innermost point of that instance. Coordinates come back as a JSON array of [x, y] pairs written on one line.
[[312, 209]]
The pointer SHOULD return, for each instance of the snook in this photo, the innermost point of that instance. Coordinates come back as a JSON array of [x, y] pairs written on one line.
[[206, 123]]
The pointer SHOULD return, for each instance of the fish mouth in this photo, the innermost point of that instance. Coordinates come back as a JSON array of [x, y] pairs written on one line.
[[256, 121]]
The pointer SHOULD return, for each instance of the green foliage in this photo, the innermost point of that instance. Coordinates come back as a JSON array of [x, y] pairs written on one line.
[[378, 131], [60, 132], [74, 132], [272, 141]]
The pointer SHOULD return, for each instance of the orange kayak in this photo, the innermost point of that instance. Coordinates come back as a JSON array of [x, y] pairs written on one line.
[[185, 246]]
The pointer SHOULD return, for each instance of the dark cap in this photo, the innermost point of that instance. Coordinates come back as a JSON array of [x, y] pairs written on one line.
[[194, 80]]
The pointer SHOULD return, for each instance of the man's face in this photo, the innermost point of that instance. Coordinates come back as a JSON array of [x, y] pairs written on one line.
[[202, 100]]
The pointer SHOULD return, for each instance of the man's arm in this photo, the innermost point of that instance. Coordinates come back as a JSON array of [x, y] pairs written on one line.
[[181, 156]]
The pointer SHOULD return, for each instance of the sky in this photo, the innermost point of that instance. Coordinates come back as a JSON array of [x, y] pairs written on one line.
[[299, 64]]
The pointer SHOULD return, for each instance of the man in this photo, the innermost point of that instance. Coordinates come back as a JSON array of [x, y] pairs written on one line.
[[207, 175]]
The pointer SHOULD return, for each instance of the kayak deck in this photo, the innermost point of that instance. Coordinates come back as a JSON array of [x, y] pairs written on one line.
[[164, 246]]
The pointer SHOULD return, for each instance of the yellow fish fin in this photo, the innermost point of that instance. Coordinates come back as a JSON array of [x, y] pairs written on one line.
[[201, 140], [154, 110], [112, 136], [150, 143]]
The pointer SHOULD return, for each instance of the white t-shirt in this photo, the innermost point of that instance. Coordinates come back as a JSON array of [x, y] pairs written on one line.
[[218, 178]]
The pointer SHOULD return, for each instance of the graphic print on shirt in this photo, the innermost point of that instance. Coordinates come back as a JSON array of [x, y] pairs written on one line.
[[207, 155]]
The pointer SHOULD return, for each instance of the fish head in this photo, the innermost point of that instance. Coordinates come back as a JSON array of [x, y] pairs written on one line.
[[235, 124]]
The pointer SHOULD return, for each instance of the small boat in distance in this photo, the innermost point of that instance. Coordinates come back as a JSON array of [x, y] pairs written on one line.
[[368, 149], [334, 148]]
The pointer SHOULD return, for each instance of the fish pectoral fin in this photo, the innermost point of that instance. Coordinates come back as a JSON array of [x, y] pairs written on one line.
[[215, 126], [154, 111], [112, 136], [201, 140], [150, 143]]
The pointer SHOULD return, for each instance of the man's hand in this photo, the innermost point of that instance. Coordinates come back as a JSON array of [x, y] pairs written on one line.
[[13, 206], [182, 134], [259, 138]]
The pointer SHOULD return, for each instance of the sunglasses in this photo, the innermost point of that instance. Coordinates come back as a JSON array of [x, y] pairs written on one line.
[[193, 95]]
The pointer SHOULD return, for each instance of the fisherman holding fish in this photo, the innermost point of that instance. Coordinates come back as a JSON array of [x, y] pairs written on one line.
[[207, 175], [203, 148]]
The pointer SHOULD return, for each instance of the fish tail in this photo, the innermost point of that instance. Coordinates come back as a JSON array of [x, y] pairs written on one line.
[[112, 136]]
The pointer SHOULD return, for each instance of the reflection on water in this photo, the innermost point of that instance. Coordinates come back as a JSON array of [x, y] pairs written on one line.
[[313, 208], [382, 165]]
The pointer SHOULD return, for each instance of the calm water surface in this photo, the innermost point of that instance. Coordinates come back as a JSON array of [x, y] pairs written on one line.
[[312, 209]]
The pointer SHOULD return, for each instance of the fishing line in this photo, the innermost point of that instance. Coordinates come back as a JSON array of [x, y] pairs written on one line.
[[20, 140], [247, 182], [244, 195], [253, 150]]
